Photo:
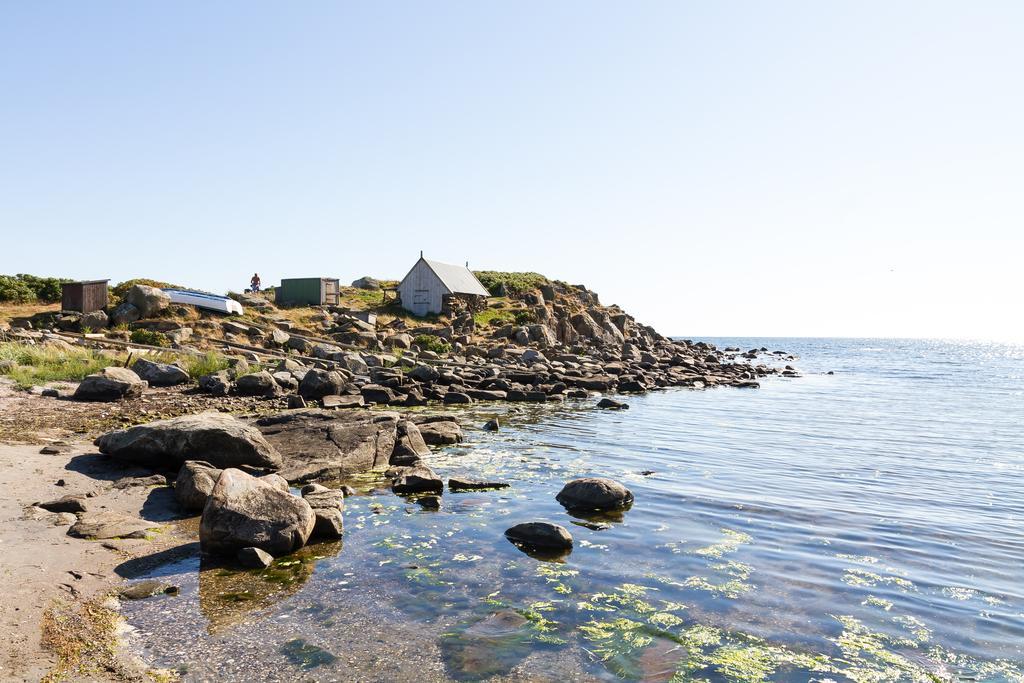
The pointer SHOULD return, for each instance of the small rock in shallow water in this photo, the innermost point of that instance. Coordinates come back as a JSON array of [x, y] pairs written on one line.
[[254, 558], [612, 403], [594, 493], [492, 425], [541, 535], [472, 484], [146, 589], [430, 502]]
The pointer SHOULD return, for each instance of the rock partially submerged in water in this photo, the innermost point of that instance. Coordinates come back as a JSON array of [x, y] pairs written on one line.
[[245, 511], [418, 479], [216, 438], [540, 535], [110, 384], [455, 484], [328, 506], [410, 446], [612, 404], [441, 432], [321, 444], [594, 493], [147, 589], [254, 558]]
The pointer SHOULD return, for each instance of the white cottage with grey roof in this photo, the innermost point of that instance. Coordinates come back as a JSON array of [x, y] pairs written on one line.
[[435, 287]]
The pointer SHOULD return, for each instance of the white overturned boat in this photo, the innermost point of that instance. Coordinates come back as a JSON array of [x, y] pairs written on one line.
[[210, 302]]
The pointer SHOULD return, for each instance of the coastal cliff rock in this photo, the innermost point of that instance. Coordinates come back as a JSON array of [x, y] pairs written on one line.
[[243, 511], [216, 438]]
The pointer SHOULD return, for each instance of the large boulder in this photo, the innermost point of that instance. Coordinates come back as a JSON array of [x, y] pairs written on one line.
[[216, 438], [148, 300], [195, 483], [594, 493], [110, 384], [319, 383], [328, 506], [329, 444], [159, 374], [366, 282], [245, 512]]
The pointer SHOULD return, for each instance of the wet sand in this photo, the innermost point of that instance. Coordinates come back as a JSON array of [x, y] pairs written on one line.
[[42, 565]]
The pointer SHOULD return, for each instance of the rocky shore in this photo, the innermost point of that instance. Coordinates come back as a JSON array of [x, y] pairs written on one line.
[[307, 406]]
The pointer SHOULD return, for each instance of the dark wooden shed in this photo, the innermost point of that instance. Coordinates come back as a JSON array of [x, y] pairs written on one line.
[[84, 297]]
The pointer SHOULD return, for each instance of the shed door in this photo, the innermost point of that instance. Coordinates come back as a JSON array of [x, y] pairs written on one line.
[[331, 295], [421, 301]]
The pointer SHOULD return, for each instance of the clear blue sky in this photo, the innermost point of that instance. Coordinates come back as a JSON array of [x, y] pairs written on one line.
[[717, 168]]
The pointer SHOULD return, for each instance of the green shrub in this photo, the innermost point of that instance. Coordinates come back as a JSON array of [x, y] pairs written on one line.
[[24, 288], [525, 317], [429, 342], [150, 338], [15, 291]]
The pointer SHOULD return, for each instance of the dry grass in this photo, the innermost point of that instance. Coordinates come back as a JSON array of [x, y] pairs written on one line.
[[83, 636], [9, 311]]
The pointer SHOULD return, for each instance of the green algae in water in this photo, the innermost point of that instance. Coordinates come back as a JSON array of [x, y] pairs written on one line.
[[306, 656]]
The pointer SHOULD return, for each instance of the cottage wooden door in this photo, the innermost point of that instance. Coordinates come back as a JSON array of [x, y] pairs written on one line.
[[421, 301]]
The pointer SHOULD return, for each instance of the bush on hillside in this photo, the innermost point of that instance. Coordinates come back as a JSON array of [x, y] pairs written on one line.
[[25, 289]]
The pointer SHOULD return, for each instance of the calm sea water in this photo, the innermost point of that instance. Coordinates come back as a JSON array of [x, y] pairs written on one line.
[[865, 525]]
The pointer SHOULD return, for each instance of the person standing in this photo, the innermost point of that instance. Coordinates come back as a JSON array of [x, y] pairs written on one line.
[[254, 284]]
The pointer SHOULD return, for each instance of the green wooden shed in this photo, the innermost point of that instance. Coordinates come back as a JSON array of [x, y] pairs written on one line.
[[308, 291]]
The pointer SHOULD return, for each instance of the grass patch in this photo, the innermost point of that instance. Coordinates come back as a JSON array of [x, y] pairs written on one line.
[[197, 366], [34, 365], [514, 284], [150, 338]]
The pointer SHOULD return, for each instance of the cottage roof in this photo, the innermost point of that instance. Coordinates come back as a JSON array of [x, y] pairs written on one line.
[[457, 279]]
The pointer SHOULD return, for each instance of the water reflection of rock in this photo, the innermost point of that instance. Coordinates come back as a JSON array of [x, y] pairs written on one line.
[[227, 595]]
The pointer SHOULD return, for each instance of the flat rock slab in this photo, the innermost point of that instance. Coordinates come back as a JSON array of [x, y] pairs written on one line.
[[331, 402], [105, 525], [320, 444], [73, 503]]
